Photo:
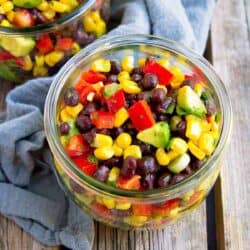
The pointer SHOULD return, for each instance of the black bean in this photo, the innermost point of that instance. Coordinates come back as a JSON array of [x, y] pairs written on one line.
[[210, 106], [187, 171], [162, 117], [148, 182], [121, 213], [90, 136], [146, 165], [177, 178], [158, 95], [83, 122], [137, 70], [71, 97], [64, 128], [149, 81], [144, 95], [88, 108], [39, 18], [1, 17], [81, 37], [113, 162], [162, 107], [196, 164], [76, 187], [115, 68], [129, 167], [102, 173], [189, 82], [112, 78], [103, 131], [136, 78], [164, 180], [145, 149], [181, 128]]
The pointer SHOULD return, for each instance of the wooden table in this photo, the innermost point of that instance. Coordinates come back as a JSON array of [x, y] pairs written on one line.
[[223, 222]]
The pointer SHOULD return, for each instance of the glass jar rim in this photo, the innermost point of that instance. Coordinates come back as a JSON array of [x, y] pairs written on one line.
[[110, 43], [47, 27]]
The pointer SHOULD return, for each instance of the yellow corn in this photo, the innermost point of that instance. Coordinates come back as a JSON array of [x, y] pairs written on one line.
[[7, 6], [193, 130], [97, 86], [53, 58], [206, 126], [198, 88], [100, 28], [65, 116], [88, 23], [49, 14], [75, 110], [178, 77], [172, 155], [198, 153], [120, 117], [123, 205], [109, 202], [174, 213], [164, 63], [5, 22], [123, 75], [10, 15], [40, 71], [59, 7], [141, 62], [104, 153], [206, 143], [102, 141], [3, 1], [114, 174], [75, 48], [161, 157], [43, 6], [64, 140], [101, 65], [187, 195], [179, 145], [132, 150], [127, 63], [135, 220], [130, 87], [117, 150], [27, 63], [39, 59], [123, 140], [99, 199]]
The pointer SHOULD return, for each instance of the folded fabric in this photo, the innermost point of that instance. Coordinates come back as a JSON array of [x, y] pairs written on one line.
[[30, 194]]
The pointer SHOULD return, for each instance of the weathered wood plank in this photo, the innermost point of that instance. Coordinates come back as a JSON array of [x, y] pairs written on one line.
[[231, 58], [11, 236]]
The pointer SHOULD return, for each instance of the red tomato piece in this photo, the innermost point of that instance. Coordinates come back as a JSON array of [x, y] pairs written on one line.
[[85, 92], [142, 209], [87, 163], [80, 85], [101, 210], [92, 76], [102, 119], [23, 18], [164, 75], [77, 146], [64, 43], [116, 101], [44, 44], [132, 183], [4, 56], [166, 207], [141, 115]]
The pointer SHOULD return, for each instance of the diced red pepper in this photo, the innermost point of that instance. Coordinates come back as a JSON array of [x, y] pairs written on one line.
[[164, 75], [86, 164], [5, 56], [101, 210], [142, 209], [195, 197], [165, 208], [44, 44], [19, 61], [116, 101], [102, 119], [85, 92], [64, 43], [80, 85], [92, 76], [132, 183], [141, 115], [77, 146]]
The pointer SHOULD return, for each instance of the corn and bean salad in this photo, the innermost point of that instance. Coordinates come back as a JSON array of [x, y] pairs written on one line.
[[31, 55]]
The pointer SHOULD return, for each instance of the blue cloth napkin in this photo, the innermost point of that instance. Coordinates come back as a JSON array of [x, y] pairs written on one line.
[[29, 193]]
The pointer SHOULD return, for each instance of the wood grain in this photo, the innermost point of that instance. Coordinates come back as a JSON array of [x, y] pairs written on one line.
[[231, 58]]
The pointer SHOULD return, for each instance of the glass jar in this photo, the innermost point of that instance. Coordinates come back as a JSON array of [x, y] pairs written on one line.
[[124, 208], [41, 50]]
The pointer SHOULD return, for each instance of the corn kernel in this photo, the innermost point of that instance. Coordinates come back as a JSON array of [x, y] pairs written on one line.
[[161, 157], [100, 28], [198, 153], [3, 1], [141, 62], [198, 88], [27, 63], [109, 202], [53, 58], [120, 117], [102, 141], [40, 71], [75, 110], [75, 48], [132, 150], [178, 77], [97, 86], [7, 6], [59, 7], [104, 153], [193, 130], [206, 143], [135, 220], [117, 150], [10, 15], [123, 205], [101, 65], [130, 87], [88, 23], [65, 116], [39, 59], [206, 126], [164, 63], [123, 140], [49, 14], [114, 174], [179, 145], [127, 63], [123, 75], [172, 155], [43, 6], [5, 23]]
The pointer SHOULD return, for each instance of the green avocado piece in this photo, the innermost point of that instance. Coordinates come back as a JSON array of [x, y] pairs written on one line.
[[157, 136], [17, 46], [111, 89], [190, 102], [179, 164], [27, 3]]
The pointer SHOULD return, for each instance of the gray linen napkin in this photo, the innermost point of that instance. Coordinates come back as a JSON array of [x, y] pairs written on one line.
[[29, 193]]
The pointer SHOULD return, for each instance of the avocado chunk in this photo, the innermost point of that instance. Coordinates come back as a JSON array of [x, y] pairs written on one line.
[[157, 136], [179, 164], [17, 46], [27, 3], [189, 102]]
